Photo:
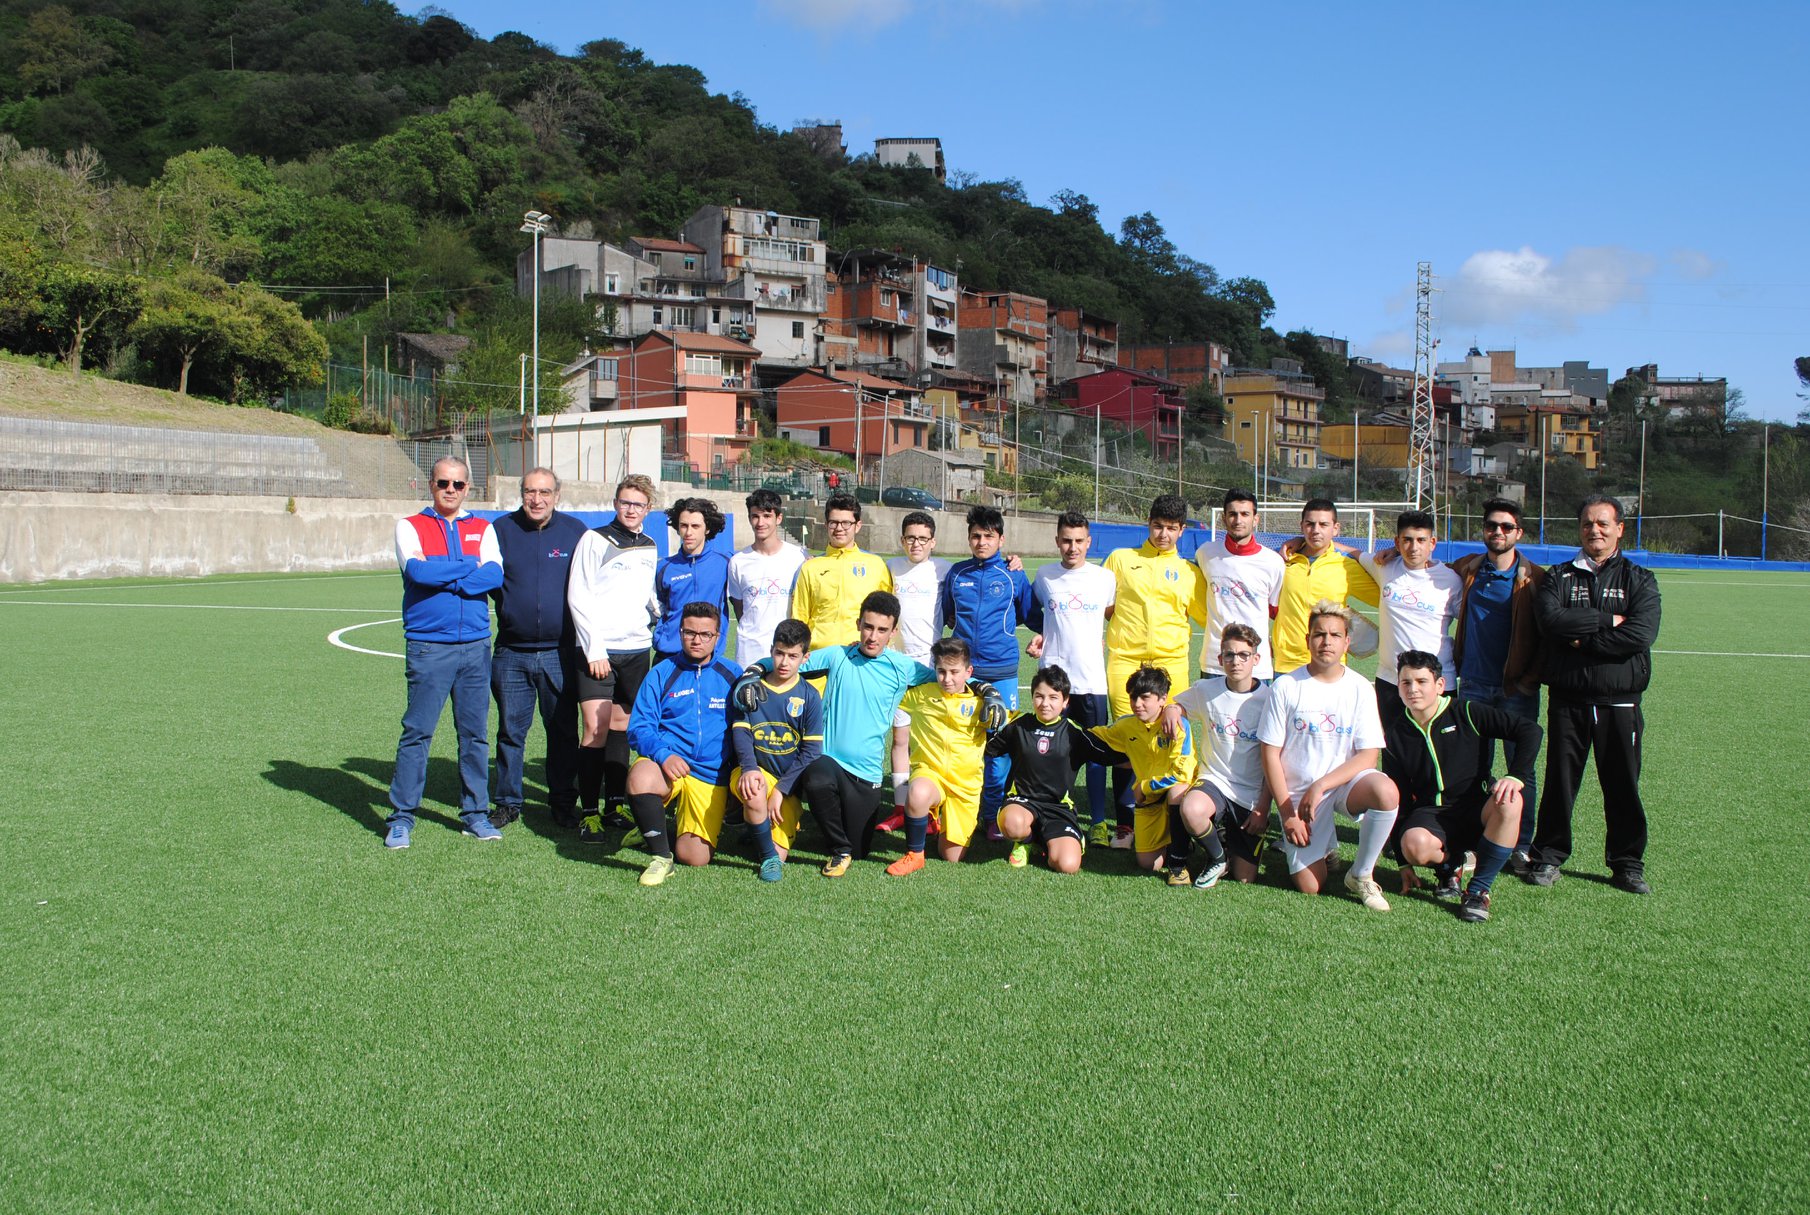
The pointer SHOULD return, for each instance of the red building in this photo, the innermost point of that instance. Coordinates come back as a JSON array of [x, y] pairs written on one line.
[[1133, 399], [820, 409]]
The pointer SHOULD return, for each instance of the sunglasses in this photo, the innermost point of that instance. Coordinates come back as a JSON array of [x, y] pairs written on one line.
[[443, 483], [1494, 526]]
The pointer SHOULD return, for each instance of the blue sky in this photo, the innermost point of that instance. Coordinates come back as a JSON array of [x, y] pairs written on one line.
[[1618, 183]]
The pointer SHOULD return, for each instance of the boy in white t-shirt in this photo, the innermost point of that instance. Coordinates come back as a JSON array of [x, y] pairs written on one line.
[[1231, 796], [1244, 583], [917, 579], [1071, 603], [1420, 599], [1321, 738], [761, 578]]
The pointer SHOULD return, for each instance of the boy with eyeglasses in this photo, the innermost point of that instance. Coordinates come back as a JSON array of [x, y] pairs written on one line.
[[832, 587], [1229, 803], [917, 579], [611, 597]]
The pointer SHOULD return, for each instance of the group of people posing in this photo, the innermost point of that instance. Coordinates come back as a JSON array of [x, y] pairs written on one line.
[[883, 694]]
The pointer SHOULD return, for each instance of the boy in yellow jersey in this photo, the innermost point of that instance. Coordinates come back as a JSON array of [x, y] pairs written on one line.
[[831, 588], [774, 743], [1163, 763], [939, 737], [1156, 593], [1317, 570]]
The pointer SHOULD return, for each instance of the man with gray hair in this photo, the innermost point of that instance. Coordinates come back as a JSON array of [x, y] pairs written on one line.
[[450, 563], [536, 649]]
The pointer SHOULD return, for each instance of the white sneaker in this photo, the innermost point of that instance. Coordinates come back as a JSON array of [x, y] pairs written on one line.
[[1366, 889]]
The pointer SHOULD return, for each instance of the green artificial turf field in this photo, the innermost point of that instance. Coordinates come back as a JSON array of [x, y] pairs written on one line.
[[220, 993]]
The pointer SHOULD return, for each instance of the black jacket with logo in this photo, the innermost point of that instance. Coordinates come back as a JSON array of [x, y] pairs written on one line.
[[1585, 657], [1442, 765]]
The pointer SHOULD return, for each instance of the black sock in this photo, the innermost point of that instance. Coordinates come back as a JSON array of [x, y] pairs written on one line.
[[650, 820], [615, 766], [590, 777], [1180, 849], [1121, 796], [1209, 840]]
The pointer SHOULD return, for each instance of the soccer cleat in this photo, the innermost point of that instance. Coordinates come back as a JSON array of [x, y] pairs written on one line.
[[1179, 876], [590, 828], [895, 823], [1475, 908], [1100, 835], [1367, 891], [1630, 880], [1448, 890], [502, 816], [397, 836], [1209, 877], [479, 827], [1121, 838], [1519, 862], [772, 869], [657, 871], [906, 865], [1019, 856], [837, 865], [1542, 875], [632, 838]]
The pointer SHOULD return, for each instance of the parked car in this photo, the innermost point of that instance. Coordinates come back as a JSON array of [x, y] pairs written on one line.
[[911, 497]]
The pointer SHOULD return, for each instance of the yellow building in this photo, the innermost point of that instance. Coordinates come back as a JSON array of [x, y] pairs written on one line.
[[970, 421], [1571, 429], [1278, 408], [1378, 444]]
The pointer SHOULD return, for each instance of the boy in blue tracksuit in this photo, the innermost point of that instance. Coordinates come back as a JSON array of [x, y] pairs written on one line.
[[680, 728], [984, 602], [694, 574]]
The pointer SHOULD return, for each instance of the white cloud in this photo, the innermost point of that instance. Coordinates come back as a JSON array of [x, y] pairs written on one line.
[[1526, 287], [838, 16]]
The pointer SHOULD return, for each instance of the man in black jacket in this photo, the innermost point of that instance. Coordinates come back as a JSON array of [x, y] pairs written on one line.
[[536, 658], [1598, 615], [1438, 754]]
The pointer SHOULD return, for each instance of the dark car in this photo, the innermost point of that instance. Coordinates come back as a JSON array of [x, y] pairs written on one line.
[[910, 497]]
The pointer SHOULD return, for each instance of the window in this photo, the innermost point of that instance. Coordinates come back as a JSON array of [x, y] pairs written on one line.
[[885, 298], [716, 316], [683, 316], [703, 364], [606, 369], [612, 284], [691, 263], [823, 436], [1245, 425], [657, 313], [798, 329]]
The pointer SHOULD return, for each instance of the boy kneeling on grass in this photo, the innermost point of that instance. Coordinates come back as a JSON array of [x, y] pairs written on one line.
[[1044, 750], [1231, 797], [1163, 761], [939, 734], [774, 743]]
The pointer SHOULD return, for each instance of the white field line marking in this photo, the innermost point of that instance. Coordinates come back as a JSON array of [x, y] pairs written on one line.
[[184, 607], [196, 583], [337, 637], [1727, 654], [1761, 586]]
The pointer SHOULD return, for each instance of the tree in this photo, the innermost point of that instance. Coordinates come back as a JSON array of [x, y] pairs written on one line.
[[182, 318], [83, 307], [58, 51], [273, 347]]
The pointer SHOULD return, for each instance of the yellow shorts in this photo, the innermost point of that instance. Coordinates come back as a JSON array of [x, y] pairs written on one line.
[[960, 808], [1118, 670], [1150, 827], [791, 812], [697, 808]]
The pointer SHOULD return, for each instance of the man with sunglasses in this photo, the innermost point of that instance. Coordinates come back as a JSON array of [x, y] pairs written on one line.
[[611, 596], [1496, 641], [450, 563]]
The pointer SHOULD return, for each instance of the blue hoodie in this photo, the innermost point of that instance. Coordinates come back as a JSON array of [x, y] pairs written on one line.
[[445, 590], [683, 709], [682, 579], [983, 604]]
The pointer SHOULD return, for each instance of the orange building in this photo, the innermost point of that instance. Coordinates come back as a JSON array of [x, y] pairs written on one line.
[[821, 408], [711, 378]]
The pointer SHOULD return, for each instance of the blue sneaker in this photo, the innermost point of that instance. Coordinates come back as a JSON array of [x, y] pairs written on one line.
[[397, 836], [772, 869], [479, 826]]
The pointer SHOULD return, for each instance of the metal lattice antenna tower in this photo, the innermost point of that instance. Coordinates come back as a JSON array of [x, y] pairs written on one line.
[[1423, 477]]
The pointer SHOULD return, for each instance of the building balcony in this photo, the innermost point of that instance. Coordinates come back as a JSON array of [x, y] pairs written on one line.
[[797, 301], [601, 389]]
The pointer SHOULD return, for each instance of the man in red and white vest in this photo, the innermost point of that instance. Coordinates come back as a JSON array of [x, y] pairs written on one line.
[[450, 563]]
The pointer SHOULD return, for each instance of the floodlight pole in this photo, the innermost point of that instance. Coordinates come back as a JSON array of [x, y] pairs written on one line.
[[536, 223]]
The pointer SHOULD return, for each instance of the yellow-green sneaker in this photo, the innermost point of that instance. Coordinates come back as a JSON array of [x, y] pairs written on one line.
[[1179, 876], [1100, 835], [1019, 856], [657, 871]]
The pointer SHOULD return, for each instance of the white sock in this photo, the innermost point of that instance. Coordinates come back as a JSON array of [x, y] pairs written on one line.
[[1373, 833]]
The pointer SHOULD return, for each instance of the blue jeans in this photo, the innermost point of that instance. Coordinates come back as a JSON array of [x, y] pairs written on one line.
[[1519, 706], [993, 788], [520, 680], [436, 670]]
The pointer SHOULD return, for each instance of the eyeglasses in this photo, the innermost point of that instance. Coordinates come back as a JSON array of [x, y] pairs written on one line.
[[694, 635], [630, 504], [1237, 656], [538, 493], [840, 524], [443, 483], [909, 539], [1497, 526]]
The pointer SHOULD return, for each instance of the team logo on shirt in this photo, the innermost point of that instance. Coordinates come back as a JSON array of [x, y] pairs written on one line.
[[1043, 745], [966, 709], [1171, 576], [1320, 723], [794, 706], [859, 571], [555, 552]]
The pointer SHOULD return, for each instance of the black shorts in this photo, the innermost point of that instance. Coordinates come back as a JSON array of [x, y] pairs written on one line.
[[1457, 828], [1229, 817], [622, 685], [1089, 709], [1049, 820]]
